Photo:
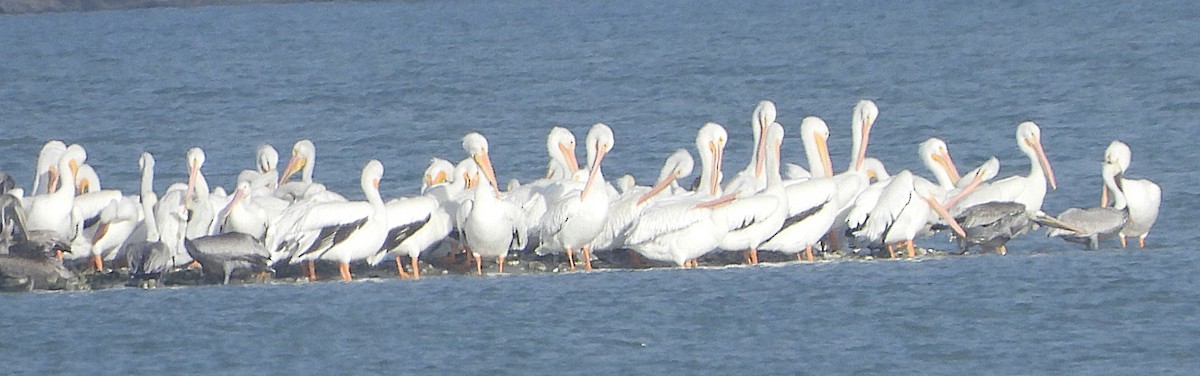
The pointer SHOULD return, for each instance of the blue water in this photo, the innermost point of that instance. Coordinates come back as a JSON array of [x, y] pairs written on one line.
[[403, 81]]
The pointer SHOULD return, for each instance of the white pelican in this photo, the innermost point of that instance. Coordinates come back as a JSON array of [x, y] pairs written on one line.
[[769, 207], [764, 115], [416, 224], [265, 174], [577, 216], [303, 160], [52, 211], [248, 213], [563, 166], [811, 203], [489, 226], [684, 227], [855, 179], [201, 215], [1027, 190], [345, 232], [117, 222], [1142, 196], [903, 211], [47, 158], [623, 211]]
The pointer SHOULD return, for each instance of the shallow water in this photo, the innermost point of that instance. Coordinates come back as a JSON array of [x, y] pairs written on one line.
[[403, 81]]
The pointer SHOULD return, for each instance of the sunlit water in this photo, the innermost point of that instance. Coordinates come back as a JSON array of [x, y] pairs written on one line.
[[402, 82]]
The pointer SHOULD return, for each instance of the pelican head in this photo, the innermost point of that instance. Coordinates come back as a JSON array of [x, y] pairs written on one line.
[[267, 159], [476, 146], [599, 142], [936, 156], [438, 172], [764, 116], [679, 164], [303, 153], [865, 113], [815, 134], [372, 173], [1029, 139], [875, 169], [1118, 153], [195, 159], [560, 143], [710, 142]]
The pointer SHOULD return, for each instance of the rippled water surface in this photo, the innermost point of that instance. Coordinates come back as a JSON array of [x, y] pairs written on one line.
[[403, 81]]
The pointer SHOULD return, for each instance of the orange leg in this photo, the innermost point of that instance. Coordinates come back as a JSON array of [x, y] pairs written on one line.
[[808, 253], [312, 270], [344, 268], [571, 258], [98, 263], [1122, 244], [1002, 250], [754, 256], [478, 264], [416, 267], [746, 257], [587, 257], [891, 251], [799, 256], [194, 264], [500, 263], [1142, 241], [400, 268], [911, 252]]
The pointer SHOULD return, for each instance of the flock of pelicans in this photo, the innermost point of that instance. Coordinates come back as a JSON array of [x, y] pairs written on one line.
[[67, 222]]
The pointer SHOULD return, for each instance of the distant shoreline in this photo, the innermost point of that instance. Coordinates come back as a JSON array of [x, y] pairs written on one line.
[[57, 6]]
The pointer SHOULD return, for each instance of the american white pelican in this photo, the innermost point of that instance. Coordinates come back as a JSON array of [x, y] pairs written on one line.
[[811, 203], [47, 158], [855, 179], [227, 253], [249, 213], [767, 208], [201, 214], [52, 211], [1142, 196], [903, 210], [415, 225], [116, 223], [576, 216], [345, 232], [623, 211], [1027, 190], [764, 115], [684, 227], [563, 168], [489, 226]]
